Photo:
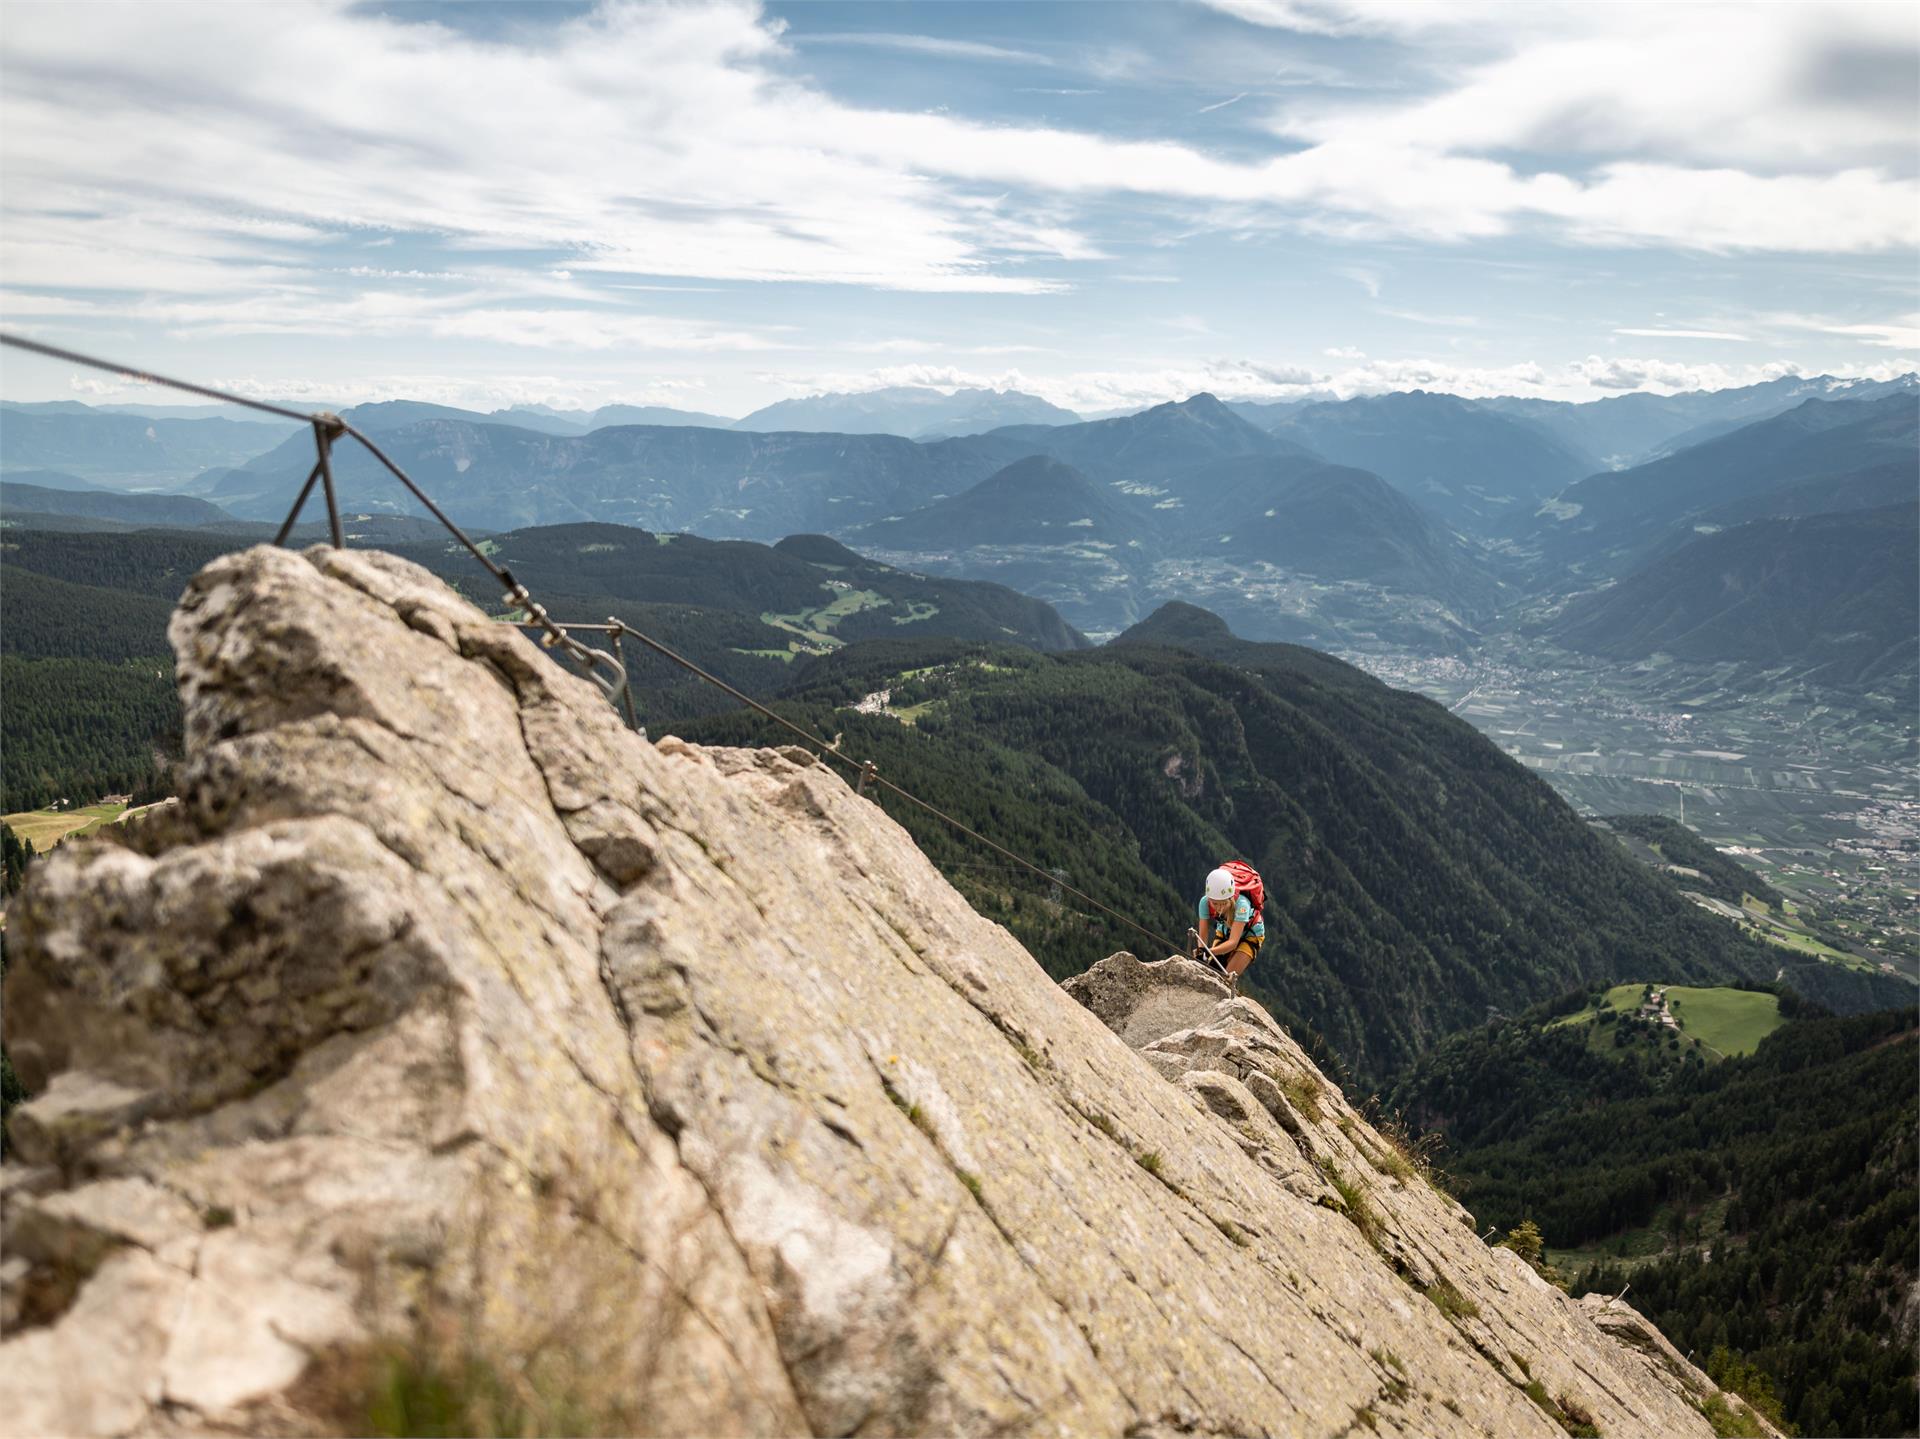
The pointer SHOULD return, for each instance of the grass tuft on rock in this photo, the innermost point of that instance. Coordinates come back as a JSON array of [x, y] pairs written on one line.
[[1303, 1094], [1233, 1232], [1354, 1203], [1729, 1421], [1450, 1301]]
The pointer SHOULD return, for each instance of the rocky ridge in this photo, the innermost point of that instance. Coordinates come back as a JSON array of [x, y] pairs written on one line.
[[446, 1027]]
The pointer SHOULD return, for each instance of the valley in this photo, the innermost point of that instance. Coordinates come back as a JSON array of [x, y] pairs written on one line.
[[1815, 792]]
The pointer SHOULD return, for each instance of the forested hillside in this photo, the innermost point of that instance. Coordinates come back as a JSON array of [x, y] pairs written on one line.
[[86, 618], [1675, 844], [1763, 1204], [177, 510], [1830, 596], [87, 677], [1416, 876], [1035, 501], [79, 729]]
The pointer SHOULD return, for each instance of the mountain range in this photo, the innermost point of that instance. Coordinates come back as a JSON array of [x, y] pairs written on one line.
[[917, 412], [721, 483], [1820, 455], [1832, 596], [1624, 430], [1234, 531], [127, 450], [1401, 522], [1467, 463]]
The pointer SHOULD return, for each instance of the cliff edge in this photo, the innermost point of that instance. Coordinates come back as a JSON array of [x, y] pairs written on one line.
[[449, 1041]]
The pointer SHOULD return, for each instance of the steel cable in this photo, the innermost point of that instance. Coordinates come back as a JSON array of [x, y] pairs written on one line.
[[870, 774]]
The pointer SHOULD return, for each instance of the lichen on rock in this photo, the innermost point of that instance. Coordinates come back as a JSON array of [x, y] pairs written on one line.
[[447, 1026]]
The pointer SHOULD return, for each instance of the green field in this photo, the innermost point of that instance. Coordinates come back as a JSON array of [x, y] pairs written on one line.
[[1725, 1021], [42, 829], [815, 626], [1732, 1021]]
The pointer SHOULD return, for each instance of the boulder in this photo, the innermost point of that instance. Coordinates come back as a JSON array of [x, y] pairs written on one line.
[[449, 1042]]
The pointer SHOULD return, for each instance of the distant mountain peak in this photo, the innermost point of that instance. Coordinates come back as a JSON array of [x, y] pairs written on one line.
[[1174, 624], [910, 411], [1038, 468]]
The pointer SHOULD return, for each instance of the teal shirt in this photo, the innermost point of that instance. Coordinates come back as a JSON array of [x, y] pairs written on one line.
[[1242, 914]]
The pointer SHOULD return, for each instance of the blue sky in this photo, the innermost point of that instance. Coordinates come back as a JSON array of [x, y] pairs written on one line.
[[717, 206]]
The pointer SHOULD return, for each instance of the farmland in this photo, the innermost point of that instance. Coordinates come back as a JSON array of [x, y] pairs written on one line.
[[1813, 793]]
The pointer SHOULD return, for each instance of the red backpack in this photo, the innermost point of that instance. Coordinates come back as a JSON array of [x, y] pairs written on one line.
[[1246, 880]]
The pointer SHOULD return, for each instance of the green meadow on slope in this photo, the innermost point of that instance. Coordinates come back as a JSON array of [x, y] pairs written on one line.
[[1720, 1022]]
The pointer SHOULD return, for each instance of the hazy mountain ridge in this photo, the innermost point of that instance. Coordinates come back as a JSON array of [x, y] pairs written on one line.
[[1470, 465], [1831, 596], [1625, 430], [138, 509], [125, 450], [913, 412], [1216, 532], [1152, 443], [720, 483], [1608, 523], [1035, 501]]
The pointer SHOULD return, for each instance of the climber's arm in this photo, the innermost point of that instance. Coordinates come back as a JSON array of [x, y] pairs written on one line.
[[1232, 941]]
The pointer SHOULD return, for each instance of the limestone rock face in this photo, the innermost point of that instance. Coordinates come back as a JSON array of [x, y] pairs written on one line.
[[446, 1026]]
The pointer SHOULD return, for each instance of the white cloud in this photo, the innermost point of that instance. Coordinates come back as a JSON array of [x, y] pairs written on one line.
[[672, 141], [1366, 279], [1899, 333], [466, 314], [657, 141], [936, 45], [1422, 317], [462, 391], [1775, 87], [1683, 334]]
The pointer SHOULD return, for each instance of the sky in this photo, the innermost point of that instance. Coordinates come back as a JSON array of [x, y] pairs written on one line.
[[715, 206]]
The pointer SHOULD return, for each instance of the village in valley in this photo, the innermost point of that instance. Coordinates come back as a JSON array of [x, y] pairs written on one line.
[[1812, 792]]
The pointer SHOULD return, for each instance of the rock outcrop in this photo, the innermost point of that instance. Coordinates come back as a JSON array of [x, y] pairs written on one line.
[[449, 1039]]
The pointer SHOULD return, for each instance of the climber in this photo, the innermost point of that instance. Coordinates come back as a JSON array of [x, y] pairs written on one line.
[[1231, 906]]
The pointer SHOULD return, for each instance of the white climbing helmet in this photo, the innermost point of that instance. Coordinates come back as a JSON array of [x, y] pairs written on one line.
[[1219, 886]]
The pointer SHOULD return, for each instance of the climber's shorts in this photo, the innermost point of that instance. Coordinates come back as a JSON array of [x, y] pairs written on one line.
[[1249, 946]]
